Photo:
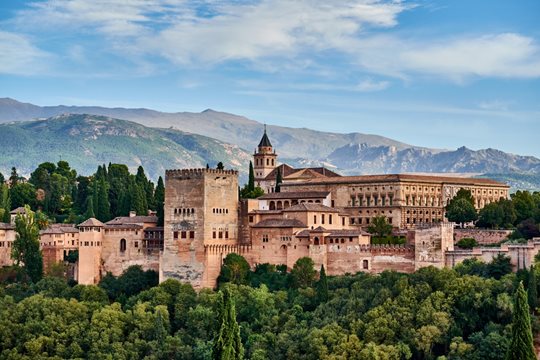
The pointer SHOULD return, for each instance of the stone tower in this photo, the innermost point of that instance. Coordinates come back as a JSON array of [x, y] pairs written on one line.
[[90, 246], [201, 210], [265, 158]]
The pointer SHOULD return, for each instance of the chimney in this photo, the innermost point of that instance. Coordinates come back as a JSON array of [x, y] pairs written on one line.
[[132, 214]]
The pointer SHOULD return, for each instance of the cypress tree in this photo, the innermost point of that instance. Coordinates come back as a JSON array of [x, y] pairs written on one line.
[[89, 208], [228, 345], [279, 180], [521, 345], [14, 177], [532, 289], [104, 207], [160, 201], [6, 203], [2, 178], [25, 250], [95, 194], [322, 286], [251, 179]]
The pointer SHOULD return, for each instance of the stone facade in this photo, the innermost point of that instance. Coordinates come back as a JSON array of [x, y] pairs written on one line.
[[201, 210], [405, 200], [482, 236]]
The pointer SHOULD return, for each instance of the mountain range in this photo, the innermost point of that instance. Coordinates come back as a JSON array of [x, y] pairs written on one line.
[[88, 135]]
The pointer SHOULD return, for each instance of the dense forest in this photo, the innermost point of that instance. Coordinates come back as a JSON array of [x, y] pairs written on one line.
[[60, 195], [461, 313]]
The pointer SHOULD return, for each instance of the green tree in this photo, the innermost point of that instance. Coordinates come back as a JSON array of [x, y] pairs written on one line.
[[5, 203], [14, 177], [279, 180], [251, 178], [160, 201], [379, 226], [22, 194], [303, 274], [461, 210], [89, 208], [220, 166], [532, 289], [524, 204], [104, 207], [235, 269], [322, 286], [499, 266], [25, 251], [228, 344], [521, 345], [467, 243], [3, 179]]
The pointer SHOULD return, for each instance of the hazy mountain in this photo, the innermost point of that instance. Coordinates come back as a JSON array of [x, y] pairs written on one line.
[[388, 159], [234, 129], [168, 140], [86, 141]]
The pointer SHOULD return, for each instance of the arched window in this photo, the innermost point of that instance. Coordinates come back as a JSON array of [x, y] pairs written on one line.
[[316, 241], [123, 245]]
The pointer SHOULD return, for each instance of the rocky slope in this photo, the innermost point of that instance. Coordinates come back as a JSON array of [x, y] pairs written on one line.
[[86, 141]]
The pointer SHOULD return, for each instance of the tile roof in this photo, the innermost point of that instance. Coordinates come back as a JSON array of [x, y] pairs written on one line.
[[397, 178], [265, 141], [122, 226], [295, 195], [132, 220], [6, 226], [287, 172], [311, 207], [91, 222], [289, 223], [19, 210]]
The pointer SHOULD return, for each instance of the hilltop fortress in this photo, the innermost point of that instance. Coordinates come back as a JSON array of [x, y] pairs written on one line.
[[316, 213]]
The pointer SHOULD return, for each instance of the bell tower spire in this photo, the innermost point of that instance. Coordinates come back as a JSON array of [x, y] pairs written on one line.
[[265, 158]]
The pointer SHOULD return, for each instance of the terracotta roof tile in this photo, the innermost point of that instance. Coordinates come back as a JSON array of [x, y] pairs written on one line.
[[91, 222], [311, 207], [295, 195], [271, 223]]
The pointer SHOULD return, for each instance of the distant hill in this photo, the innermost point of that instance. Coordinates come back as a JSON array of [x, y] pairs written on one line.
[[388, 159], [188, 139], [86, 141], [234, 129]]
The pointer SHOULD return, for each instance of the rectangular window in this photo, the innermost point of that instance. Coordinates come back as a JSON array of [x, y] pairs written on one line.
[[183, 234], [175, 235], [314, 219], [322, 218], [330, 219], [136, 244], [220, 234], [226, 234], [343, 221], [250, 218], [192, 234], [213, 234]]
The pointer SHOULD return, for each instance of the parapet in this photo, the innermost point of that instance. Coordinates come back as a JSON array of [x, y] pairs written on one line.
[[383, 248], [174, 173]]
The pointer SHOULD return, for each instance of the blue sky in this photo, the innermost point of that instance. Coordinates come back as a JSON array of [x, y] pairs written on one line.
[[431, 73]]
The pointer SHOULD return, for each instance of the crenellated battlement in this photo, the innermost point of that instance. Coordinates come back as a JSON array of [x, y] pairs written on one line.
[[174, 173], [227, 249], [383, 248]]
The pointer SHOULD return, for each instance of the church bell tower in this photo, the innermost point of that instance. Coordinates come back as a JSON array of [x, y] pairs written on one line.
[[265, 158]]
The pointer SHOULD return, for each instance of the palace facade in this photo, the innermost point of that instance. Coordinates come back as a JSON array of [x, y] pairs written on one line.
[[317, 213]]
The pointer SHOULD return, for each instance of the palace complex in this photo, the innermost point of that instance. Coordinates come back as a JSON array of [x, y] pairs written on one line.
[[316, 213]]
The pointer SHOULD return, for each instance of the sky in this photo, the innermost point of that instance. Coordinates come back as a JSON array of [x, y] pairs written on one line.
[[439, 74]]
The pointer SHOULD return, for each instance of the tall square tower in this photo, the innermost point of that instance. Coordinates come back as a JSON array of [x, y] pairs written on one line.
[[201, 209]]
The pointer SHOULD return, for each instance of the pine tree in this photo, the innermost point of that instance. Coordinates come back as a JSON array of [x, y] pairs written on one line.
[[532, 289], [14, 177], [228, 345], [322, 286], [104, 207], [89, 208], [160, 201], [251, 179], [521, 345], [25, 251], [279, 180]]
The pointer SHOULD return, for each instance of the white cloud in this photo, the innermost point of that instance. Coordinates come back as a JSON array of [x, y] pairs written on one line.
[[280, 35], [19, 56], [506, 55]]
